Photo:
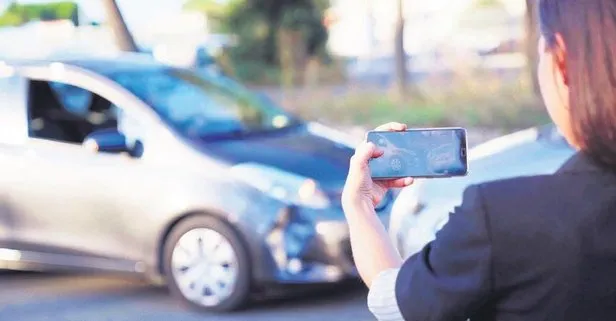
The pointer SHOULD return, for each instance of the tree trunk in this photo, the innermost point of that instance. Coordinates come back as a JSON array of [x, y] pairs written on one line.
[[123, 37], [401, 72], [532, 37], [293, 55]]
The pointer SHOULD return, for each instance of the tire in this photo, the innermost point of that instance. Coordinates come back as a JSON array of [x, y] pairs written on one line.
[[196, 228]]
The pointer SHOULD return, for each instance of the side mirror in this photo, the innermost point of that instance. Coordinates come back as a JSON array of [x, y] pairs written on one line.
[[112, 141]]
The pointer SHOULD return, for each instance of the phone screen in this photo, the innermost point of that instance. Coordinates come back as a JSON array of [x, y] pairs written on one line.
[[438, 152]]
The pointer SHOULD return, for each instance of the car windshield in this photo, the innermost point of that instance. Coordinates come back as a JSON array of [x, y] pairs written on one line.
[[203, 106]]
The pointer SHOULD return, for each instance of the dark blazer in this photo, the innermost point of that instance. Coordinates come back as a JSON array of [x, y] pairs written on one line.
[[527, 249]]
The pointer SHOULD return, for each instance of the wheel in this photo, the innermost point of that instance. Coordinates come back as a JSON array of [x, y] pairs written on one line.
[[206, 265]]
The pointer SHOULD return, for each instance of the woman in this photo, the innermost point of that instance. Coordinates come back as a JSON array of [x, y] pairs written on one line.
[[531, 248]]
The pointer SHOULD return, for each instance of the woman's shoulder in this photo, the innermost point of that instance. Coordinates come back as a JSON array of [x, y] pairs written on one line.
[[511, 189], [508, 203], [521, 184], [543, 205], [505, 204], [553, 187]]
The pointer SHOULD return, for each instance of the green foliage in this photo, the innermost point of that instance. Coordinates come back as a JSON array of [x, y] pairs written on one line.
[[488, 3], [308, 20], [254, 72], [11, 18], [17, 14], [257, 23]]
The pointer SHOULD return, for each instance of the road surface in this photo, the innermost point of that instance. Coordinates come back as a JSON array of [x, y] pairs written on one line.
[[38, 297]]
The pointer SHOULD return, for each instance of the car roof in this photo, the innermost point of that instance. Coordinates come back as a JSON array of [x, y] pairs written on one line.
[[102, 64]]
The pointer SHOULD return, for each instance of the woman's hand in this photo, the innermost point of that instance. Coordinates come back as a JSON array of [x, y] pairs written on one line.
[[360, 190]]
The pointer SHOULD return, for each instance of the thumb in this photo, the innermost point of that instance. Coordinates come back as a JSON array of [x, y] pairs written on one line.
[[364, 153]]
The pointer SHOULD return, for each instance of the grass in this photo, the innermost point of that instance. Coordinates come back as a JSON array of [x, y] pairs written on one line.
[[485, 102], [468, 98]]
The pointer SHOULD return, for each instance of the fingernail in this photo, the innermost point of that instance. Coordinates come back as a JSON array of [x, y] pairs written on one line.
[[408, 180]]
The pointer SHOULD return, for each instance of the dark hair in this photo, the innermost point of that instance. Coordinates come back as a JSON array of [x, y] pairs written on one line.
[[588, 29]]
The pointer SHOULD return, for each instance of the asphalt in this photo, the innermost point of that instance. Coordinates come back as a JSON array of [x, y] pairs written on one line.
[[38, 297]]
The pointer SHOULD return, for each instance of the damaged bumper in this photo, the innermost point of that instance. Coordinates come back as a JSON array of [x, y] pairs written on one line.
[[309, 246]]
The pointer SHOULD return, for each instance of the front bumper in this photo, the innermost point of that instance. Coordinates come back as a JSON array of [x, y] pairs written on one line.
[[301, 251]]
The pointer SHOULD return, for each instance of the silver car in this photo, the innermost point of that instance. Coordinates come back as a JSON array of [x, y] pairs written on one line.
[[129, 165], [423, 208]]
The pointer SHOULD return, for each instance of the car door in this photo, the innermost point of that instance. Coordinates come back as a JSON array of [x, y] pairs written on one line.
[[74, 201], [13, 135]]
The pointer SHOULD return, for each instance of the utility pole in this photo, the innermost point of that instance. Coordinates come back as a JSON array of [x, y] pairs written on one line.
[[123, 37], [400, 53]]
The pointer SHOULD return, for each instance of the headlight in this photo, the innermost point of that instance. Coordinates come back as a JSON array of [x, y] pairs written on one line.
[[282, 185]]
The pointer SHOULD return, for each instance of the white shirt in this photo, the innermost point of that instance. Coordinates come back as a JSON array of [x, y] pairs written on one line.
[[382, 300]]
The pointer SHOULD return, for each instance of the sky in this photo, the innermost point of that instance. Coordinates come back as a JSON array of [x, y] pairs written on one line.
[[135, 12]]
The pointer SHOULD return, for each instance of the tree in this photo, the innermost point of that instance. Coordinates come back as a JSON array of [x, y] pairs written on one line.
[[124, 39], [273, 15], [532, 37], [401, 72], [270, 33], [17, 14], [48, 15]]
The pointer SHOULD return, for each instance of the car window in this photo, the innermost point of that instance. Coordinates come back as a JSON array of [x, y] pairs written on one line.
[[74, 99], [201, 108], [66, 113]]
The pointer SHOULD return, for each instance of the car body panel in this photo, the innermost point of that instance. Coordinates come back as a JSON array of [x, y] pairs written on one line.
[[421, 210], [305, 154], [13, 106]]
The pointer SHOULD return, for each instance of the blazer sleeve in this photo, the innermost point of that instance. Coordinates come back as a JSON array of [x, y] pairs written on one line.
[[450, 279]]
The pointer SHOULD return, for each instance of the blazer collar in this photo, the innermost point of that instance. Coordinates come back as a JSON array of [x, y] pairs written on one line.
[[580, 163]]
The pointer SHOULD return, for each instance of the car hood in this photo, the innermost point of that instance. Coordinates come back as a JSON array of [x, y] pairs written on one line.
[[303, 150]]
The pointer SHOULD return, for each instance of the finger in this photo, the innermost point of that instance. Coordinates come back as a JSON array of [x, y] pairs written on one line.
[[393, 126], [365, 152], [397, 183]]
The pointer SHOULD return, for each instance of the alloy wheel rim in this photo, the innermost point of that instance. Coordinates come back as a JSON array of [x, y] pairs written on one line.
[[204, 266]]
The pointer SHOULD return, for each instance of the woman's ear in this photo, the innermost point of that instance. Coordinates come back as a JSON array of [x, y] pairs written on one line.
[[559, 53]]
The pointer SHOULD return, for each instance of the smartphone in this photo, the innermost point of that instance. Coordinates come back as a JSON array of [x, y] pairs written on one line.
[[419, 153]]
